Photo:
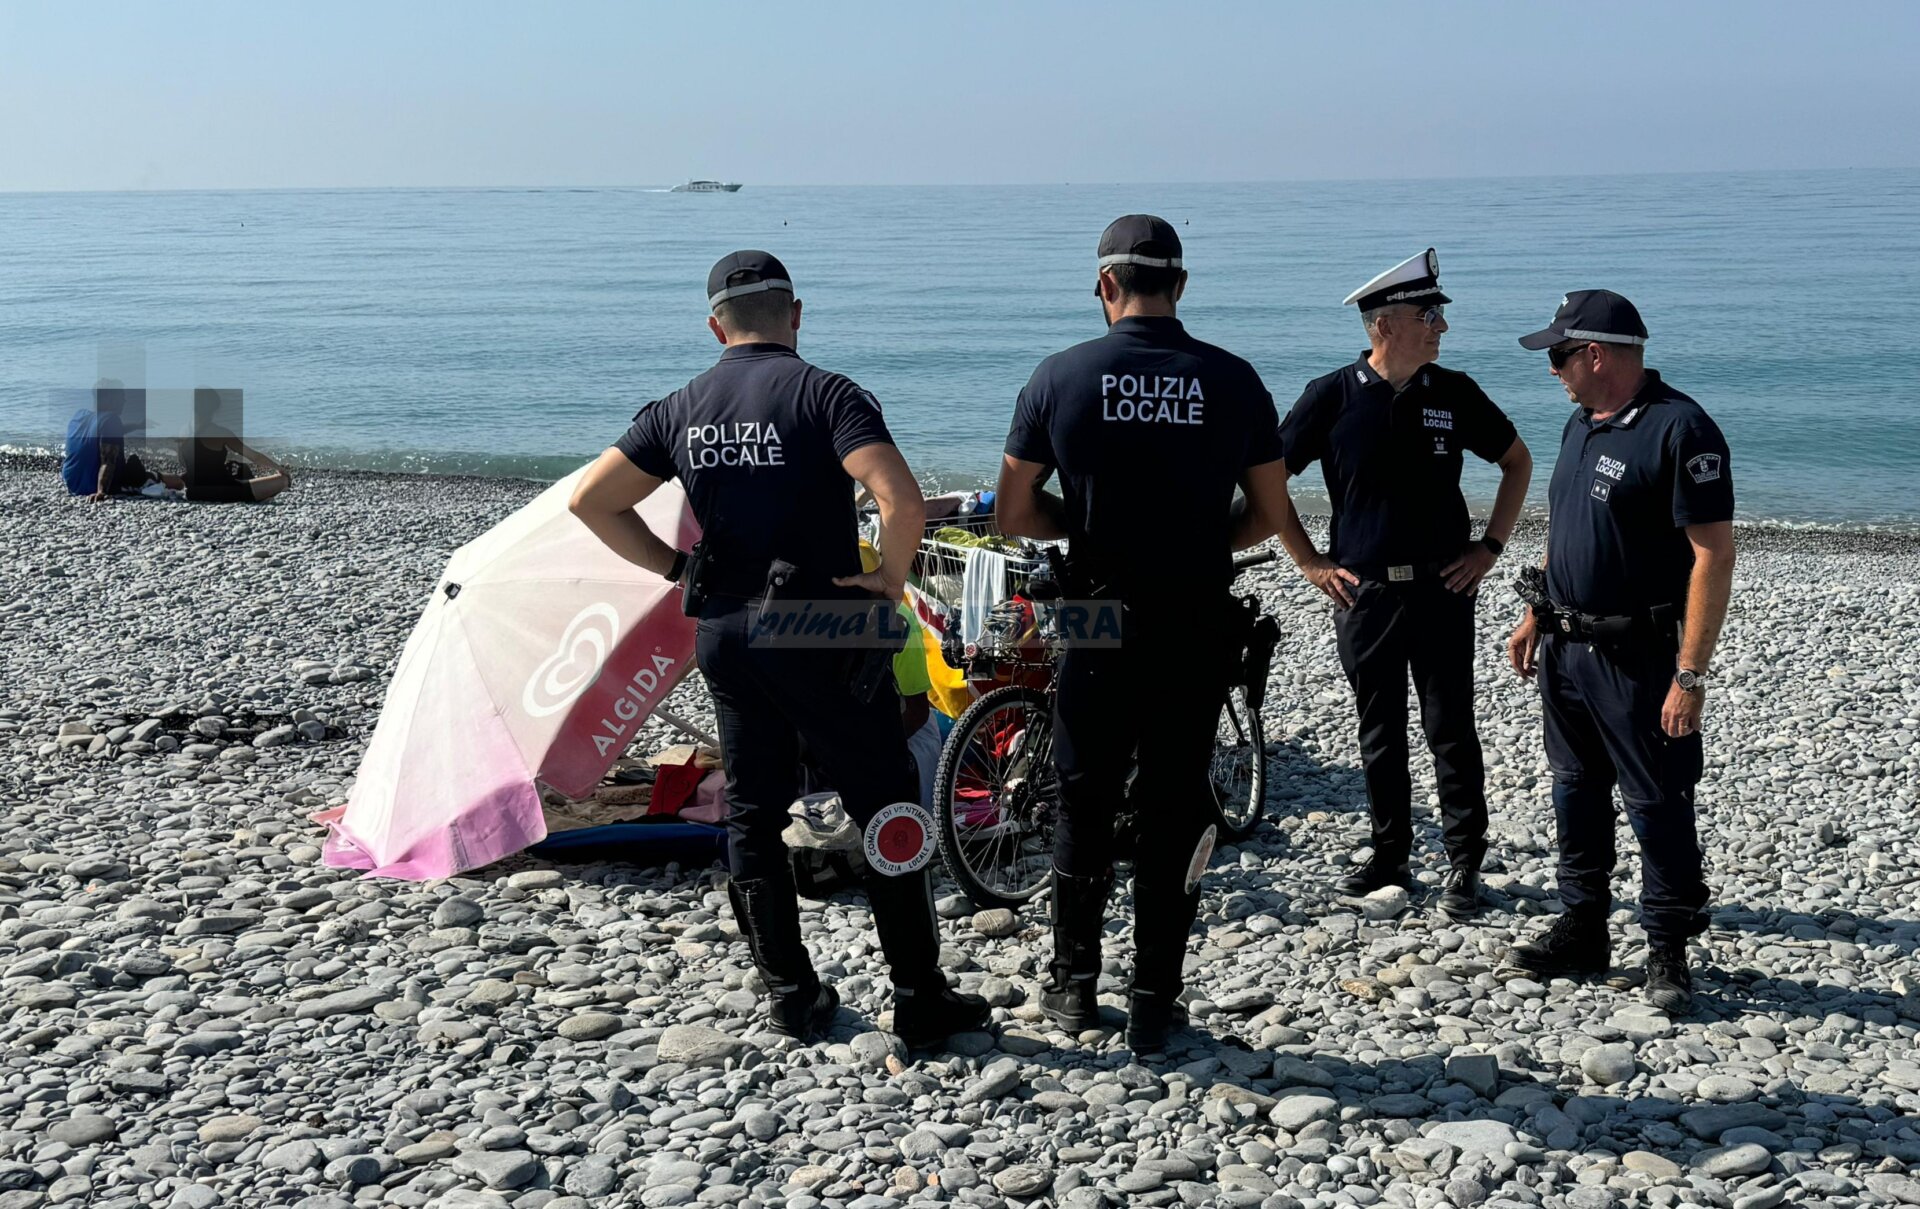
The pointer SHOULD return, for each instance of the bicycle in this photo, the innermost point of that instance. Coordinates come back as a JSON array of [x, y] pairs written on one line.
[[995, 792]]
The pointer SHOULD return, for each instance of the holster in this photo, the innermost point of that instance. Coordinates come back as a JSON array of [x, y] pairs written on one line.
[[866, 660], [1261, 643], [693, 580]]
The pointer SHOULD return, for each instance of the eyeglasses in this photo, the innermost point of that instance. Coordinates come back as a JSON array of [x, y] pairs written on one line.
[[1432, 315], [1558, 357]]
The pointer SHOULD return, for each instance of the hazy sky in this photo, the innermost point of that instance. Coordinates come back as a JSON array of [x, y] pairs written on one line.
[[211, 95]]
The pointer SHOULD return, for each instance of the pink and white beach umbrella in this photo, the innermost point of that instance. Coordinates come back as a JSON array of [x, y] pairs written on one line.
[[536, 659]]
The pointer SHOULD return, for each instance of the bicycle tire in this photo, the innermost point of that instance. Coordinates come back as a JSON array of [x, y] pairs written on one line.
[[1240, 743], [958, 761]]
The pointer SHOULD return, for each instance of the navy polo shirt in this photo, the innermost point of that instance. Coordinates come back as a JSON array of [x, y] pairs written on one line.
[[757, 442], [1392, 460], [1623, 491], [1151, 431]]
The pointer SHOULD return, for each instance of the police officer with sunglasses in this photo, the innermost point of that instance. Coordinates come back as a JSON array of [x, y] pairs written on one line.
[[1619, 630], [1402, 566]]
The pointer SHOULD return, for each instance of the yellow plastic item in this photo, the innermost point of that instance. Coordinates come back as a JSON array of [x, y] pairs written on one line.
[[869, 557], [947, 688]]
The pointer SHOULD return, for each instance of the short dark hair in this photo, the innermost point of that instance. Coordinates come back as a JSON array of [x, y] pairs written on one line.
[[1143, 280], [766, 311]]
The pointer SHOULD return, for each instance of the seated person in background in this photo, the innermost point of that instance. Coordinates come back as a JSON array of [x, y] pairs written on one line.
[[97, 463], [222, 468]]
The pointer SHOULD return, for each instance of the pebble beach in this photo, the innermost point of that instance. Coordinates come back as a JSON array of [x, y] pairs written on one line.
[[196, 1012]]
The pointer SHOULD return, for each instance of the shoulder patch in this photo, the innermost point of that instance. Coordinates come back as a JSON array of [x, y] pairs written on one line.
[[1704, 468]]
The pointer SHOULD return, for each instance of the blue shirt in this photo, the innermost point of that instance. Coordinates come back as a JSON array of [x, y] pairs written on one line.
[[86, 432], [1623, 491], [1392, 461], [1151, 431], [757, 442]]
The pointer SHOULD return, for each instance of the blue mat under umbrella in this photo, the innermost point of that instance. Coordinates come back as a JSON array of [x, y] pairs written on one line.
[[637, 843]]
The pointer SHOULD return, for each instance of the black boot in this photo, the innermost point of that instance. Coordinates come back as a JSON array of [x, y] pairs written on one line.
[[1460, 892], [926, 1009], [1162, 917], [798, 1005], [1079, 909], [1669, 985], [1576, 944], [1379, 871]]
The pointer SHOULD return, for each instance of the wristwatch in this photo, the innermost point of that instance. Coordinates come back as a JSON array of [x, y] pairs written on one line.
[[1690, 681], [678, 568], [1494, 544]]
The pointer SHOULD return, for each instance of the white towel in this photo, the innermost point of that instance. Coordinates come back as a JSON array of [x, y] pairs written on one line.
[[982, 586]]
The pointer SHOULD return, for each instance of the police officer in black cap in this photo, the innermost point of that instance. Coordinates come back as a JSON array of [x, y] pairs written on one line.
[[1639, 569], [768, 448], [1150, 431], [1402, 567]]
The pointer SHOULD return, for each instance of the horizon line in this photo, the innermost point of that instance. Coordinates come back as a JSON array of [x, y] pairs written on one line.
[[1021, 184]]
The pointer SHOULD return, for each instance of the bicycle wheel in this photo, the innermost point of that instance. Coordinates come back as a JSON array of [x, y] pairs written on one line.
[[995, 797], [1239, 768]]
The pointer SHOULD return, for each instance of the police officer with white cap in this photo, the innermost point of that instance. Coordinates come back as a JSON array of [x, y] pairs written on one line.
[[768, 448], [1401, 566], [1639, 569], [1151, 431]]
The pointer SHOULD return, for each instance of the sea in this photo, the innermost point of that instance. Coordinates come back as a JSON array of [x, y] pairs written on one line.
[[515, 331]]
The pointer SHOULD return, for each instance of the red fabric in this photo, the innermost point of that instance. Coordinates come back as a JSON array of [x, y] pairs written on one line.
[[673, 786]]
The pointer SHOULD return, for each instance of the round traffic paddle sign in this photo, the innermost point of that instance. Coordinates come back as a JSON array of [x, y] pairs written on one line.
[[1202, 853], [900, 839]]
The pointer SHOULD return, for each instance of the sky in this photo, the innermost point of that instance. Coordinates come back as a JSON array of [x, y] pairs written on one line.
[[213, 95]]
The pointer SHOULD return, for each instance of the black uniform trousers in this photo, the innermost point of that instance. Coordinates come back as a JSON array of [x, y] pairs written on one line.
[[1392, 629], [1602, 704], [766, 699], [1155, 700]]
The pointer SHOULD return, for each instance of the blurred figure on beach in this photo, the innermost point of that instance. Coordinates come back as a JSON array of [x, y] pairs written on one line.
[[219, 466], [96, 462]]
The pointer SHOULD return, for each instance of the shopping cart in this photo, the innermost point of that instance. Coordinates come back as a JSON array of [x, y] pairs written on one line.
[[938, 579]]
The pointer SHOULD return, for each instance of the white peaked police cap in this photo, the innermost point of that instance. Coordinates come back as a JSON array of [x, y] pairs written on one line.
[[1414, 280]]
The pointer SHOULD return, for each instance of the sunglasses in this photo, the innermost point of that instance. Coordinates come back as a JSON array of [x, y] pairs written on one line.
[[1558, 357], [1432, 315]]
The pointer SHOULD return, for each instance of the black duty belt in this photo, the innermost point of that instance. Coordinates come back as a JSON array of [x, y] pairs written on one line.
[[1397, 573], [1593, 627]]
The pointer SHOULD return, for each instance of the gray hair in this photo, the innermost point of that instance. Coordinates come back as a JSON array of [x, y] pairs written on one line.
[[1369, 318]]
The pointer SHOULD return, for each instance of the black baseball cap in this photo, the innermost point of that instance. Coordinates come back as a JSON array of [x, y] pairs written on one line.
[[1599, 315], [1141, 239], [746, 272]]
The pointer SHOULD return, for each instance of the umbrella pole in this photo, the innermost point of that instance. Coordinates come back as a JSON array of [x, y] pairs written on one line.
[[685, 727]]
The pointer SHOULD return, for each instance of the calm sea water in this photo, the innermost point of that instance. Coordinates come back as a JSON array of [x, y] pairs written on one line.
[[515, 331]]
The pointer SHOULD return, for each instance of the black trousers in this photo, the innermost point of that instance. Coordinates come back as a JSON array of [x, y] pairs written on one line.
[[766, 699], [1156, 698], [1421, 628], [1602, 706]]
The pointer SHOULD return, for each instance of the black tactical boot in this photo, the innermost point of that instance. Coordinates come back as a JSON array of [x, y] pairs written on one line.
[[1152, 1019], [1379, 871], [1460, 892], [798, 1005], [1669, 985], [926, 1010], [1073, 977], [1577, 944], [1162, 917]]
